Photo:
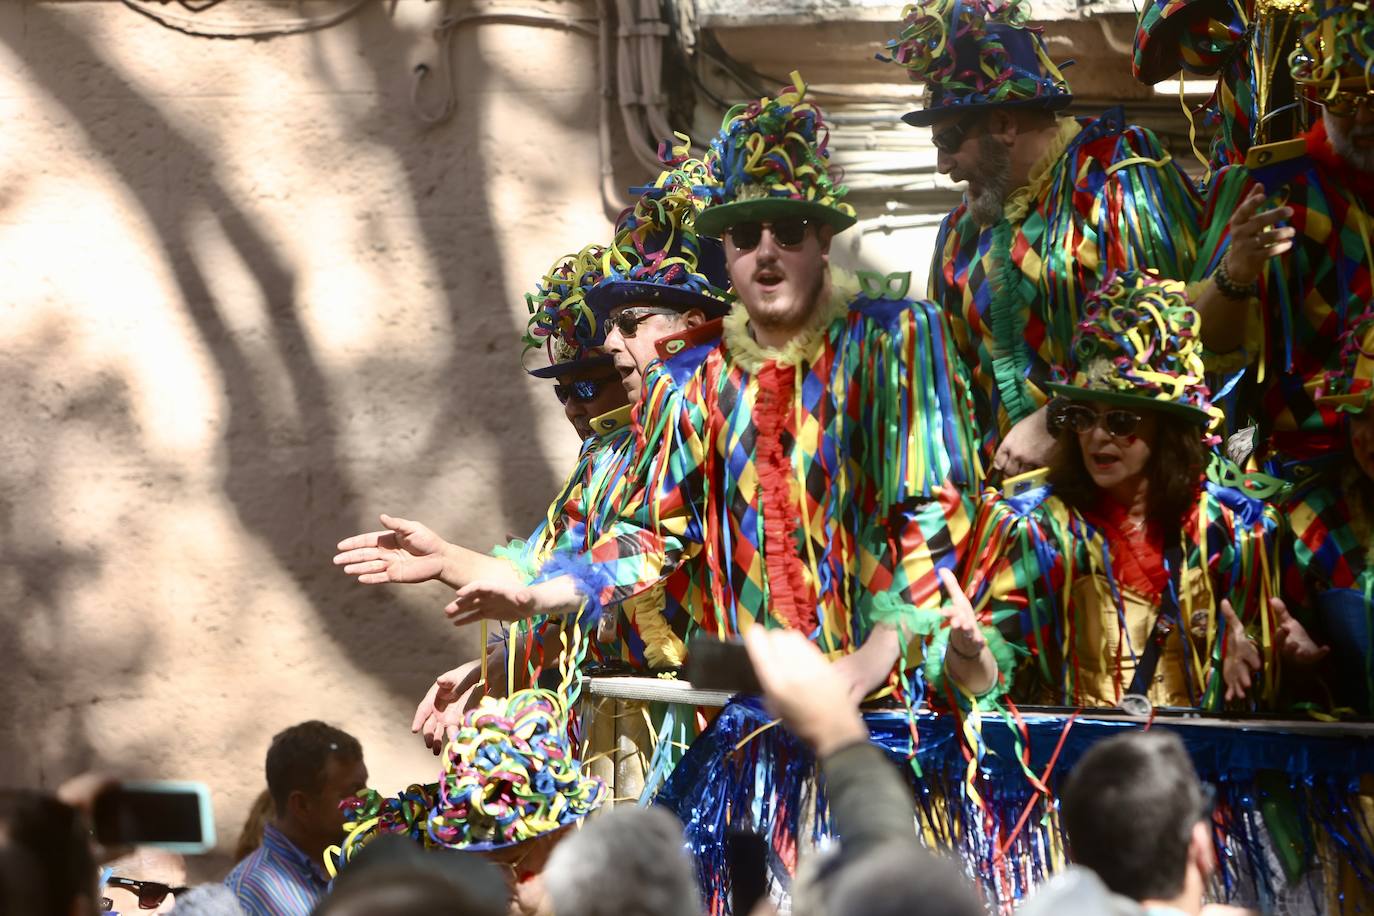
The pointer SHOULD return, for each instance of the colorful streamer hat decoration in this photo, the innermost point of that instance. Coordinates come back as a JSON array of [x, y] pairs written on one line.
[[1196, 36], [510, 775], [1351, 388], [771, 161], [974, 55], [561, 321], [657, 257], [1336, 46], [1138, 346]]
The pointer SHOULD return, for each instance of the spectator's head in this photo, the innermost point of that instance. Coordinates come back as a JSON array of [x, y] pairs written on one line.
[[630, 861], [47, 866], [1136, 814], [393, 876], [899, 880], [311, 768], [147, 881]]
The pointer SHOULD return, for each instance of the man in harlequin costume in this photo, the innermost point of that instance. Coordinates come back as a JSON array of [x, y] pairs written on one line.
[[1051, 207], [819, 438], [1331, 569], [561, 324], [1293, 262], [1129, 572]]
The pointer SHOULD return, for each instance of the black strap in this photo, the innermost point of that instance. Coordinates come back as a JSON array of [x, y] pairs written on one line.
[[1168, 619]]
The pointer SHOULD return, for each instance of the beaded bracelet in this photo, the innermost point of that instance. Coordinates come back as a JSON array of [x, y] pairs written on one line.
[[1230, 288]]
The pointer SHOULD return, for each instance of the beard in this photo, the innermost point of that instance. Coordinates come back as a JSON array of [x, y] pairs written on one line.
[[994, 174], [1343, 142]]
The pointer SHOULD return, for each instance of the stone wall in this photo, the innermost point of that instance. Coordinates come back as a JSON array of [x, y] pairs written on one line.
[[251, 300]]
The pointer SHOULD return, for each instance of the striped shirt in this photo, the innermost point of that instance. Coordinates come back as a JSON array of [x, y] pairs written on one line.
[[278, 878]]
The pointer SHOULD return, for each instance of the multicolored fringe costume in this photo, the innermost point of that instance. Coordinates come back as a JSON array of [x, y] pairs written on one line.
[[1105, 198], [1310, 295], [813, 479]]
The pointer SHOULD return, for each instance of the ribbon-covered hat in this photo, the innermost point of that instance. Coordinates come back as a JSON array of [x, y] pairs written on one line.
[[509, 776], [1351, 388], [974, 55], [1138, 346], [770, 161], [1196, 36], [561, 321], [1336, 46], [657, 256]]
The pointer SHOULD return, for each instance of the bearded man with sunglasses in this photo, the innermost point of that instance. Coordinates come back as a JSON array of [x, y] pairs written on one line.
[[1294, 262], [1052, 207]]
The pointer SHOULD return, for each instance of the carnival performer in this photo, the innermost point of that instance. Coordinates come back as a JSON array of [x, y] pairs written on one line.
[[1052, 206], [1127, 571], [510, 789], [562, 325], [1293, 263], [823, 441], [1332, 519]]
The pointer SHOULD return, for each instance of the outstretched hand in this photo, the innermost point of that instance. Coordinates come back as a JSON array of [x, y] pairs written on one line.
[[1242, 660], [968, 661], [451, 695], [1292, 639], [405, 551], [491, 601]]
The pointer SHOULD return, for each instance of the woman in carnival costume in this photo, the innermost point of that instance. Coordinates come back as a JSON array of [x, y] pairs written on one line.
[[511, 786], [1128, 572], [1053, 206], [1332, 519], [561, 325]]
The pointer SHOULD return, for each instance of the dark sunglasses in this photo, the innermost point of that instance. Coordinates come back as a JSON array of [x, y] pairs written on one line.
[[788, 233], [951, 138], [583, 389], [627, 321], [1345, 104], [150, 893], [1081, 419]]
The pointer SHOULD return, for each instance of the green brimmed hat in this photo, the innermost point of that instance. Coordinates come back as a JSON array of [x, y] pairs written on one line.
[[770, 161], [1138, 346], [657, 256], [562, 323], [1351, 388], [974, 55], [1336, 46]]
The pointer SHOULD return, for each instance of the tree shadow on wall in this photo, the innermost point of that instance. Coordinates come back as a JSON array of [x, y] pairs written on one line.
[[284, 473]]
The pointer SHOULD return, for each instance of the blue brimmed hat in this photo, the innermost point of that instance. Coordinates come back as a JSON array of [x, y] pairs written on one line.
[[561, 322], [771, 161], [975, 55], [657, 257]]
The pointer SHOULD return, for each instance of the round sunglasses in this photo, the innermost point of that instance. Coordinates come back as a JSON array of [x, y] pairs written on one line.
[[1345, 104], [951, 138], [1082, 419], [627, 321], [583, 390], [788, 233]]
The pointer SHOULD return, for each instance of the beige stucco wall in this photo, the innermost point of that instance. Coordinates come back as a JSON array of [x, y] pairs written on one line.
[[249, 302]]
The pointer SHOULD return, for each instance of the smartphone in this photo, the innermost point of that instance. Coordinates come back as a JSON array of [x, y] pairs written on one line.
[[720, 664], [747, 859], [176, 816], [1023, 483], [1275, 164]]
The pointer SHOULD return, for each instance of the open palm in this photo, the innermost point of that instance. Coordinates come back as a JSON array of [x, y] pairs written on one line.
[[405, 552]]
